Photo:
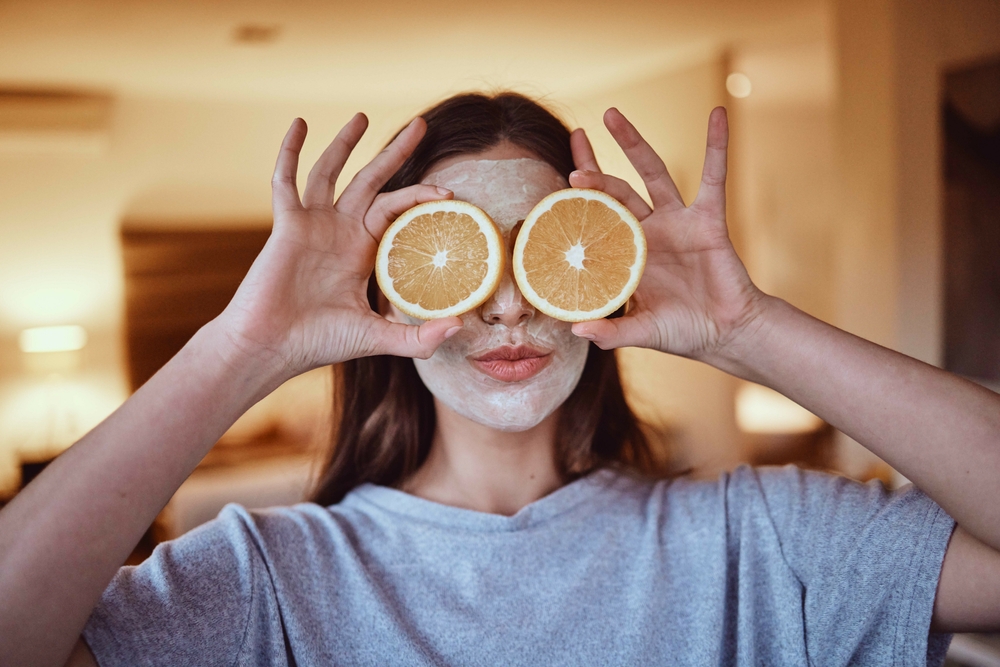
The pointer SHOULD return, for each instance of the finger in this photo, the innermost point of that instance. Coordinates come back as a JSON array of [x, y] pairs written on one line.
[[390, 205], [647, 163], [610, 334], [323, 176], [615, 187], [284, 193], [712, 192], [408, 340], [361, 191], [583, 152]]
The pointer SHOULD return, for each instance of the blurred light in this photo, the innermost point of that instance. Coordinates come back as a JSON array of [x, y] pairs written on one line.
[[738, 85], [253, 33], [32, 298], [763, 410], [53, 339], [40, 417]]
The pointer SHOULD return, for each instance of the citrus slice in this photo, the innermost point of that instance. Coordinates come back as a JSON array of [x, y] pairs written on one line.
[[579, 255], [440, 259]]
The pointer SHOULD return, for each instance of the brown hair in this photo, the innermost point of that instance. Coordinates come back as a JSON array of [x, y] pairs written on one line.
[[384, 415]]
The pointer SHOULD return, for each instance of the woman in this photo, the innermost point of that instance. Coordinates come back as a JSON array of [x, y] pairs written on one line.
[[482, 512]]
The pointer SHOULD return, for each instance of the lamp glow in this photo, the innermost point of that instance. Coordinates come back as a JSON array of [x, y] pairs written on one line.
[[738, 84], [763, 410], [53, 339]]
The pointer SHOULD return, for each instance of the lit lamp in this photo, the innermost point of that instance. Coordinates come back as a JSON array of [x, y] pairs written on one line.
[[53, 349], [777, 430], [763, 410], [66, 338], [54, 353]]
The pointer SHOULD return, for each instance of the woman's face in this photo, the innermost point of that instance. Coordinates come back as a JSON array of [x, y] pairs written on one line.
[[510, 366]]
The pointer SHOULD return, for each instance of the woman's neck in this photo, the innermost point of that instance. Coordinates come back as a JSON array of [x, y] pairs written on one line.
[[480, 468]]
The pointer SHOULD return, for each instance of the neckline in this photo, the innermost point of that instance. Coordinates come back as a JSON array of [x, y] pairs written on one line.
[[428, 511]]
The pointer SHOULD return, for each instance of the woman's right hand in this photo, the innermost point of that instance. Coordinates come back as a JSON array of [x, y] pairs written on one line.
[[304, 302]]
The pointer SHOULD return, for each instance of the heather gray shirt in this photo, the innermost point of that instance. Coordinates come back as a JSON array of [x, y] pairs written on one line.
[[761, 567]]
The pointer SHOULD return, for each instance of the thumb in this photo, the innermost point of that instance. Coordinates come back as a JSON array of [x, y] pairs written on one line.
[[610, 334], [410, 340]]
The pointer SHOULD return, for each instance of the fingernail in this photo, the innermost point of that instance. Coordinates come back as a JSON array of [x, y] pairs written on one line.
[[443, 191], [587, 336], [451, 332], [577, 172]]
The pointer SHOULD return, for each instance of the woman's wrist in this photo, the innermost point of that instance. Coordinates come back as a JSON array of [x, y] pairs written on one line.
[[253, 369], [745, 350]]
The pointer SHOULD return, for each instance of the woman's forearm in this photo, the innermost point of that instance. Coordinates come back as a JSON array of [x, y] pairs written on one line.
[[939, 430], [63, 537]]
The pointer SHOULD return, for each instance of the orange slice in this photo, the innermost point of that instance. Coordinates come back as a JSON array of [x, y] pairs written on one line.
[[440, 259], [579, 255]]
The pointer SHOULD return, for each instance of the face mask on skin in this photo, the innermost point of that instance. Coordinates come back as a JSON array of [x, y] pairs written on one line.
[[476, 372]]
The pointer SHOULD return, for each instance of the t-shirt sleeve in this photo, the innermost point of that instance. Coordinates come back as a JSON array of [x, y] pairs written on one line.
[[202, 599], [869, 560]]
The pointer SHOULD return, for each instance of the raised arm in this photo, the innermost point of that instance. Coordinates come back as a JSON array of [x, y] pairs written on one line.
[[696, 300], [302, 305]]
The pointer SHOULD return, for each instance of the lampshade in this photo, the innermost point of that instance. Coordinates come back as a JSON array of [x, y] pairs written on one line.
[[53, 339]]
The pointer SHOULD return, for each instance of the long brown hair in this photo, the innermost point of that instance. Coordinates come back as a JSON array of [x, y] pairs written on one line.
[[384, 415]]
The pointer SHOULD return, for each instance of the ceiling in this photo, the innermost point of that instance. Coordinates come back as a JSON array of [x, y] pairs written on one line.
[[374, 52]]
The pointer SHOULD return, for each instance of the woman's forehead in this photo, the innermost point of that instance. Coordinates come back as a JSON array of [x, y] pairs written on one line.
[[506, 189]]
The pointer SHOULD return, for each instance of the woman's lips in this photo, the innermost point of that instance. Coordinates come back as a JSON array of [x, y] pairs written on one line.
[[512, 364]]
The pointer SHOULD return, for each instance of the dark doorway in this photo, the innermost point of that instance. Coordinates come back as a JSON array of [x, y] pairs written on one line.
[[971, 117], [176, 281]]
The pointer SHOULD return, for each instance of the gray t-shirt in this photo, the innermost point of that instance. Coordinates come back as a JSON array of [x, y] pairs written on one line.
[[761, 567]]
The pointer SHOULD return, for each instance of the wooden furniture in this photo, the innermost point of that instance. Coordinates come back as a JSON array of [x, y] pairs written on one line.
[[177, 280]]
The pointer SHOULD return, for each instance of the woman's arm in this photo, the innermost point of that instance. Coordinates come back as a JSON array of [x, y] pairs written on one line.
[[939, 430], [63, 538], [696, 300], [302, 305]]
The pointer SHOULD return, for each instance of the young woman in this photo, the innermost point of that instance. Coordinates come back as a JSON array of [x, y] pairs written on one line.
[[489, 502]]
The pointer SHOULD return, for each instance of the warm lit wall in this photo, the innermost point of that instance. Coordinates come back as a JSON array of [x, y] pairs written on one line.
[[785, 172], [671, 111], [891, 57]]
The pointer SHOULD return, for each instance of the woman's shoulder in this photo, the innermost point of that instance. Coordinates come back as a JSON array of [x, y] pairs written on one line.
[[256, 528], [747, 482], [777, 491]]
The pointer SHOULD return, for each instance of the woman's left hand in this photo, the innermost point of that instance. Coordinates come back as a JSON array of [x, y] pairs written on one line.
[[695, 298]]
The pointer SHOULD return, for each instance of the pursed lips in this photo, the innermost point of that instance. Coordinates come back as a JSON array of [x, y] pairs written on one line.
[[511, 363]]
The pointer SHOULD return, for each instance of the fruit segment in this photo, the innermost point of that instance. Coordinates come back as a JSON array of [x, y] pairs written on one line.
[[579, 255], [440, 259]]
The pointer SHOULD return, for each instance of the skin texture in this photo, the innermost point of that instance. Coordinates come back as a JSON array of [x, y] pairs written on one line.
[[303, 305], [507, 190]]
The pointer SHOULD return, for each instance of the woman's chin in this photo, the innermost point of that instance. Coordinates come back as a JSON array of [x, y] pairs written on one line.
[[505, 395], [512, 407], [508, 423]]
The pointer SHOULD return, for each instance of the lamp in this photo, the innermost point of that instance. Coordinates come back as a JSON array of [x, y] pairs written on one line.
[[66, 338], [51, 355], [763, 410], [54, 349]]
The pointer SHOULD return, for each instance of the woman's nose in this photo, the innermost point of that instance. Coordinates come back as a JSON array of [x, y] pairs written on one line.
[[507, 306]]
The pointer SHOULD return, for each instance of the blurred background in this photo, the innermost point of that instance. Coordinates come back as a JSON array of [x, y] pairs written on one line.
[[137, 141]]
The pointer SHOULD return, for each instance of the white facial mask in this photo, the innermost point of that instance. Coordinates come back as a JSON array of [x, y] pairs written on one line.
[[507, 190]]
